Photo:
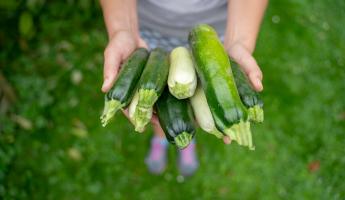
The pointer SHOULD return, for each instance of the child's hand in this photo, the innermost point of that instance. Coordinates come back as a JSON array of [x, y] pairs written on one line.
[[244, 58], [120, 46]]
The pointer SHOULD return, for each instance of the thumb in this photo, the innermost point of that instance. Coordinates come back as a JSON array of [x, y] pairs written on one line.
[[112, 60], [249, 65], [142, 43]]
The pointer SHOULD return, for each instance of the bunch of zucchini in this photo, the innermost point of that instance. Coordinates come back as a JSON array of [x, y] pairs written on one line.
[[222, 100]]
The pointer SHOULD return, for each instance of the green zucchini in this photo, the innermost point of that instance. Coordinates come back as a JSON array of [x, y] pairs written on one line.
[[176, 119], [214, 70], [123, 90], [151, 85], [250, 98]]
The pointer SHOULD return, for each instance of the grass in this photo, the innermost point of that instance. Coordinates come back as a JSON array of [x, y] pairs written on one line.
[[68, 155]]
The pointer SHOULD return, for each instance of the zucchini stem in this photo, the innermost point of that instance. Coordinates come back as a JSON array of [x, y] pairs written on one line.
[[110, 108], [182, 91], [256, 114], [147, 98], [216, 133], [142, 117], [241, 133], [143, 110], [183, 140]]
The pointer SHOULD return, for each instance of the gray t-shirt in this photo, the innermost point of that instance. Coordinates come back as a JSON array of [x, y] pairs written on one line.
[[174, 18]]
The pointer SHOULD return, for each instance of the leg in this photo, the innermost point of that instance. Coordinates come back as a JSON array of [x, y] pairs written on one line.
[[188, 162], [156, 159], [158, 131]]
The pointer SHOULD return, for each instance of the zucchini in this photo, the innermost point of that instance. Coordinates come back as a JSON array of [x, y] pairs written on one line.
[[122, 91], [250, 98], [202, 113], [176, 119], [214, 70], [182, 78], [132, 107], [151, 85]]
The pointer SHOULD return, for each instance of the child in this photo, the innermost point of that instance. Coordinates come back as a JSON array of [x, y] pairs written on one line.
[[165, 24]]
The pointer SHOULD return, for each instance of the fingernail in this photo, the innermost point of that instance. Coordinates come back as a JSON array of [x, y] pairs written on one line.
[[259, 85], [227, 140], [105, 84]]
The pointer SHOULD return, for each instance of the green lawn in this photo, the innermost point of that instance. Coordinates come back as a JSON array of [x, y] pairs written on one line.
[[66, 154]]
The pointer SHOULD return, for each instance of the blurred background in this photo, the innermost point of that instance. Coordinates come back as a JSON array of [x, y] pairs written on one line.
[[52, 145]]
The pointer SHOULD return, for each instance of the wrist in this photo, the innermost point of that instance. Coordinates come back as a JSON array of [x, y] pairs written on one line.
[[127, 25], [248, 44], [134, 35], [120, 16], [127, 37]]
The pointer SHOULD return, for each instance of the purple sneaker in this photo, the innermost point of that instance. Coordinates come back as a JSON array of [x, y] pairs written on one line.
[[188, 162], [156, 160]]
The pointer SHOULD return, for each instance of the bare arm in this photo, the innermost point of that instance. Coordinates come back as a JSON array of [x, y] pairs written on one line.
[[121, 22], [120, 15], [243, 24]]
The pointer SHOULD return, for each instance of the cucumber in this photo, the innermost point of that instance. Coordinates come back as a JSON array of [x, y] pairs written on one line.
[[250, 98], [176, 119], [214, 70], [123, 90], [182, 78], [151, 85]]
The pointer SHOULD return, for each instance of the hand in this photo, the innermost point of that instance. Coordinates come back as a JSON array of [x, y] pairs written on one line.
[[242, 56], [120, 46], [227, 140], [154, 119]]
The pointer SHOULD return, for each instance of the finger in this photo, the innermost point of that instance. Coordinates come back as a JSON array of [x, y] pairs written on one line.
[[227, 140], [158, 131], [112, 60], [155, 120], [126, 112], [249, 65], [256, 82], [143, 44]]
